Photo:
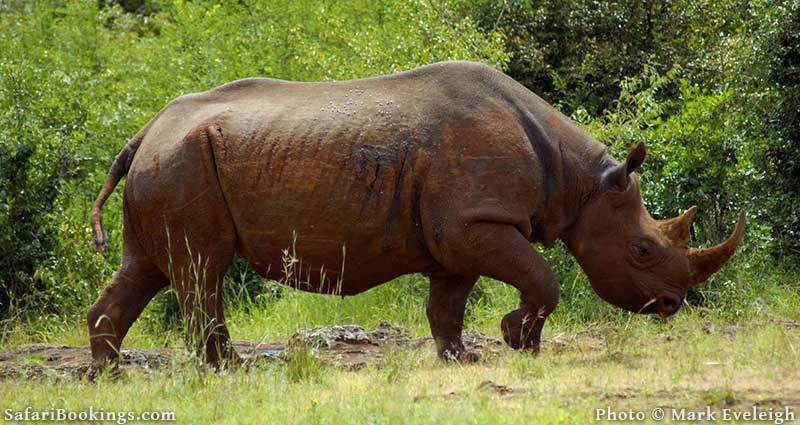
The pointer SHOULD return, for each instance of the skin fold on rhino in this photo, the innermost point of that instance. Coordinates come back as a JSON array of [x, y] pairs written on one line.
[[451, 170]]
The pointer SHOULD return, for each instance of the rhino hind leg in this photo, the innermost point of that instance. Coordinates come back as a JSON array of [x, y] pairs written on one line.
[[448, 298], [176, 218], [200, 238], [198, 282], [117, 307]]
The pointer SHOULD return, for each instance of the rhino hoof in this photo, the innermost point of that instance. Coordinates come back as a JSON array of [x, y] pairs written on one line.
[[520, 332], [463, 357], [109, 372]]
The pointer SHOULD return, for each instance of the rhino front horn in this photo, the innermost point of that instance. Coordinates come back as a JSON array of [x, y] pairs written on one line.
[[706, 261]]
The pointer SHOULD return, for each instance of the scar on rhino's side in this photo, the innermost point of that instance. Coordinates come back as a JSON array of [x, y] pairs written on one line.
[[155, 166], [192, 200]]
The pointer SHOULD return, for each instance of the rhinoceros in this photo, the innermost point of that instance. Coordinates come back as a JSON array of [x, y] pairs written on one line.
[[451, 170]]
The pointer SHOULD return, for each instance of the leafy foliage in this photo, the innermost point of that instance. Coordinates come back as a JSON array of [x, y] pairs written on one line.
[[712, 88]]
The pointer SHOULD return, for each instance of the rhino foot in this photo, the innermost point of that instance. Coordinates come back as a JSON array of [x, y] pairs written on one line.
[[522, 330], [459, 356], [109, 371]]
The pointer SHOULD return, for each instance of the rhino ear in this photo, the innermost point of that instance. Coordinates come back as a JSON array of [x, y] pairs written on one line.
[[618, 176]]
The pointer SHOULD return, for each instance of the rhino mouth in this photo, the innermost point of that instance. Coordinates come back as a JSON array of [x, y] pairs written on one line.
[[645, 309], [665, 306]]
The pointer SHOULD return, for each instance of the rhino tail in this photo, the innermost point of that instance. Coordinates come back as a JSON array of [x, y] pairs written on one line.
[[118, 170]]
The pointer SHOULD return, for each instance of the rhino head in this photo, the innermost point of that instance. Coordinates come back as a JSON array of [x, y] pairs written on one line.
[[634, 261]]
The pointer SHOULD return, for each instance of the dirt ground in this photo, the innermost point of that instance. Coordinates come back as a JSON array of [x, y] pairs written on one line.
[[352, 348], [345, 346], [579, 356]]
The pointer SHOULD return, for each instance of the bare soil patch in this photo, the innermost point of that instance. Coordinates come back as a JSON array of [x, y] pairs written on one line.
[[345, 346]]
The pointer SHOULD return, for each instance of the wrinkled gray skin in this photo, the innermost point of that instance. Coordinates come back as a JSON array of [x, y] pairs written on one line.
[[450, 170]]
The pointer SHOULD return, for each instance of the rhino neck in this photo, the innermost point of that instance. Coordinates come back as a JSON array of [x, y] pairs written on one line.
[[572, 161], [587, 186], [583, 161]]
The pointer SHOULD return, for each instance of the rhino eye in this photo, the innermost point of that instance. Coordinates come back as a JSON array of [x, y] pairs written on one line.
[[644, 253]]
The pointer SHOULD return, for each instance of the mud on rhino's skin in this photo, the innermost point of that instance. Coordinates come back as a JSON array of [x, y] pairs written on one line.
[[451, 170]]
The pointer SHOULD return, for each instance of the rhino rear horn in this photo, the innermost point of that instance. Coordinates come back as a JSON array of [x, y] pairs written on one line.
[[706, 261], [678, 229]]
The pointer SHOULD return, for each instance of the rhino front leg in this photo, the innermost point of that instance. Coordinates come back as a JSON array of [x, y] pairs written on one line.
[[448, 299], [539, 292], [522, 328], [502, 252]]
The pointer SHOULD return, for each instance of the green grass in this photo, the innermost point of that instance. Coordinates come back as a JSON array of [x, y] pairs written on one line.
[[641, 364], [702, 356]]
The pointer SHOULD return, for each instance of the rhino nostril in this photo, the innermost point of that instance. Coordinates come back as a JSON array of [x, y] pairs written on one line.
[[668, 305]]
